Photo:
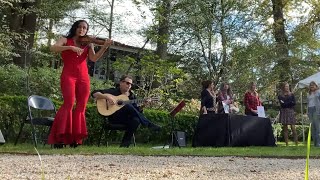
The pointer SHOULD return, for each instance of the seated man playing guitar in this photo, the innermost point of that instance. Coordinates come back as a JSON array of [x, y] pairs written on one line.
[[129, 114]]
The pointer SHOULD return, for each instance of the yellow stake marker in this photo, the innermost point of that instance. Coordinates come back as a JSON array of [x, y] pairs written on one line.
[[306, 174]]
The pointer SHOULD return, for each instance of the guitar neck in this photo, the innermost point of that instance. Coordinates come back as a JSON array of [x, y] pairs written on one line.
[[137, 101]]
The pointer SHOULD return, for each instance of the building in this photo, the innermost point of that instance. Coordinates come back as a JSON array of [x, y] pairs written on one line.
[[102, 69]]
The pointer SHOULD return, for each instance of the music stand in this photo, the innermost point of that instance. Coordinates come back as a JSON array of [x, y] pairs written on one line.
[[172, 114]]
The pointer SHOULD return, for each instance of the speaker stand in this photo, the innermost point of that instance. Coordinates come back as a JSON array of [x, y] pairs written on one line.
[[173, 140]]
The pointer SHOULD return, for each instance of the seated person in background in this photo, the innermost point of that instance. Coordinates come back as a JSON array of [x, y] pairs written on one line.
[[234, 108], [252, 100], [130, 114], [208, 98], [224, 98]]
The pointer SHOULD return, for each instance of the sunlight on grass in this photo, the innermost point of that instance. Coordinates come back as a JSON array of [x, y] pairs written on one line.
[[280, 151]]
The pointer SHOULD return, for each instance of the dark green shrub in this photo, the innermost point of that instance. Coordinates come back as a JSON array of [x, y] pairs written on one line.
[[42, 81], [13, 80]]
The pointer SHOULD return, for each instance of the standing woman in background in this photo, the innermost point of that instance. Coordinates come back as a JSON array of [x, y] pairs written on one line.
[[252, 100], [69, 126], [287, 114], [208, 98], [224, 97], [314, 112]]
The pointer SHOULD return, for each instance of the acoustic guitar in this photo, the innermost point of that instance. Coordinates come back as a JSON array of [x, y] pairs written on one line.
[[107, 109]]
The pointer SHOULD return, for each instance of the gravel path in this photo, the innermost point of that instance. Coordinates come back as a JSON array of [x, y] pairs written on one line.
[[153, 167]]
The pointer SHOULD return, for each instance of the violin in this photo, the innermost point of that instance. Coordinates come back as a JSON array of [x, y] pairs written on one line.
[[85, 40]]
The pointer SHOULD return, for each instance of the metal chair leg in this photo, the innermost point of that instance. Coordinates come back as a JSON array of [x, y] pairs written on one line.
[[21, 127], [45, 141], [102, 132], [134, 140], [107, 136]]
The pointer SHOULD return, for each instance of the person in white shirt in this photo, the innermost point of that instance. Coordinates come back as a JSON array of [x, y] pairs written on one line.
[[314, 112]]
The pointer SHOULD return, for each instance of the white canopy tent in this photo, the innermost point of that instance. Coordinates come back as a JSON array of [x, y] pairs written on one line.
[[303, 84]]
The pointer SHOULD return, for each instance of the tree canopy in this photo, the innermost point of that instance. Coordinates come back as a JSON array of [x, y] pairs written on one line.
[[268, 41]]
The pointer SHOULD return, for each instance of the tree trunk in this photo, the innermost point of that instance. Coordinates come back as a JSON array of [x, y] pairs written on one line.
[[26, 25], [110, 36], [283, 66], [224, 42], [163, 29], [210, 60], [49, 32], [50, 36]]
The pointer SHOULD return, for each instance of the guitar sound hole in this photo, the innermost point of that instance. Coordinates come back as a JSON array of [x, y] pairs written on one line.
[[120, 103]]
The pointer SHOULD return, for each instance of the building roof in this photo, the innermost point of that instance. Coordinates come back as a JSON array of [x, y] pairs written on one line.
[[124, 47]]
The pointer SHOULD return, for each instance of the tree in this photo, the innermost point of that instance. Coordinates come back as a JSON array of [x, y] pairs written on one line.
[[163, 18], [281, 39], [160, 31], [24, 20], [205, 32]]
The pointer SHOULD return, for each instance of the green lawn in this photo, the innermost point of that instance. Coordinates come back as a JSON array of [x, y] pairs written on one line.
[[280, 151]]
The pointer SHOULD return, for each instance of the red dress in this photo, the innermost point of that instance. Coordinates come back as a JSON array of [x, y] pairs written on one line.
[[69, 125]]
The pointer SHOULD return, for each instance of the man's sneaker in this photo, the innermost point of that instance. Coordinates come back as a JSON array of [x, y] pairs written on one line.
[[154, 127]]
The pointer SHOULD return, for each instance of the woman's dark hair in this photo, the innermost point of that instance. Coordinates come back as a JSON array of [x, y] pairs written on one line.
[[206, 84], [229, 91], [72, 31], [283, 85]]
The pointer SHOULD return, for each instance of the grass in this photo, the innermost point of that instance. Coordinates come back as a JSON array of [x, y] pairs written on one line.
[[281, 151]]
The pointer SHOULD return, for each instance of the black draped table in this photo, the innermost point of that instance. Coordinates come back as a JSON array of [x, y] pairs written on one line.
[[219, 130]]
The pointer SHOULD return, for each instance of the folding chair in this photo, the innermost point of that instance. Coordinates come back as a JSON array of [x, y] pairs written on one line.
[[108, 127], [36, 107]]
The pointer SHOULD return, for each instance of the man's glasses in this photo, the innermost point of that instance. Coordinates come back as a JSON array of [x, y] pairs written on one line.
[[128, 83]]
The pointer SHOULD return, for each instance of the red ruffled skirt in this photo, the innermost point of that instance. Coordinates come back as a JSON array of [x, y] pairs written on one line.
[[68, 127]]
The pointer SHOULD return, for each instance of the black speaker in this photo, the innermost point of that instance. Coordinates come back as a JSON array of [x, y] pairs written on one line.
[[180, 139], [2, 141]]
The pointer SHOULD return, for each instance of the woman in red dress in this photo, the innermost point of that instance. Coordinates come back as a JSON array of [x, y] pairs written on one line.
[[69, 125]]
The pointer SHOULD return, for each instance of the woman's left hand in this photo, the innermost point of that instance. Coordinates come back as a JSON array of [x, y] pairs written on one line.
[[107, 43]]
